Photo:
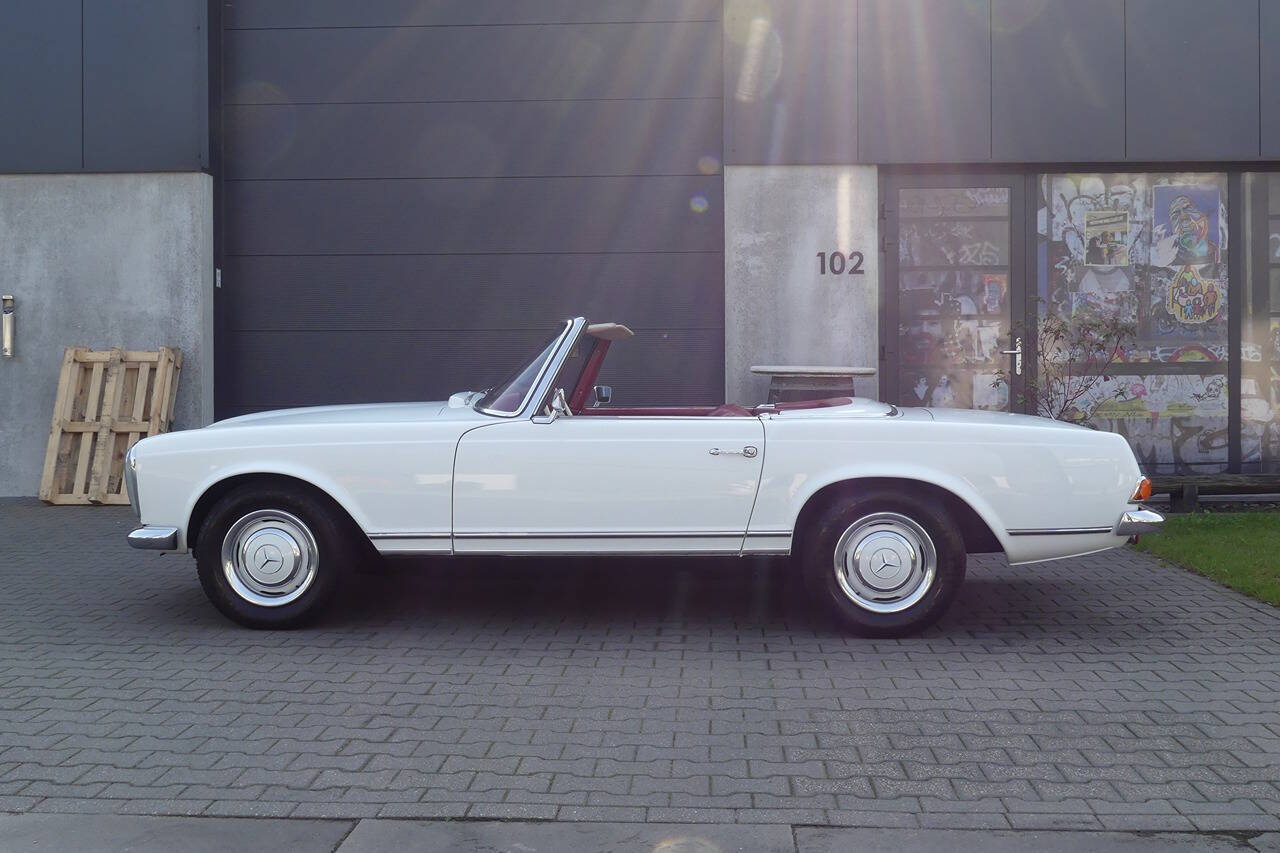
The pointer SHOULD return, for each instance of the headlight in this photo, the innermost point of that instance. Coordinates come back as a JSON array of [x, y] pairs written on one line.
[[131, 481]]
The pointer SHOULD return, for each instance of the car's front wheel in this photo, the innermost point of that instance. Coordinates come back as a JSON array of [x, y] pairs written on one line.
[[885, 564], [271, 557]]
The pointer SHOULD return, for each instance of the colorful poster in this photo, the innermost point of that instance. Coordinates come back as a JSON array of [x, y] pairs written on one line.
[[1185, 226], [995, 290], [1106, 238], [1192, 298]]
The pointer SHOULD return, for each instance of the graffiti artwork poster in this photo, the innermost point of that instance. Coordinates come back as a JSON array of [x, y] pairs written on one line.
[[1193, 298], [1185, 226], [994, 292], [1106, 238]]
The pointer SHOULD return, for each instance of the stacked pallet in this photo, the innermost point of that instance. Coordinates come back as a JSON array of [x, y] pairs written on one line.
[[107, 401]]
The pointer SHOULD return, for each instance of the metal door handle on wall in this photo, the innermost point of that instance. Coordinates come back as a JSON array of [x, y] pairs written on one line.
[[6, 326], [1016, 352]]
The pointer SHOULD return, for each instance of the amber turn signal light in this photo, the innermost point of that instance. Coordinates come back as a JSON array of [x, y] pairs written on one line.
[[1143, 491]]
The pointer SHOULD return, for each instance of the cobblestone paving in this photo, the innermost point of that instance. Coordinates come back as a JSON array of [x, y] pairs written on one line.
[[1104, 692]]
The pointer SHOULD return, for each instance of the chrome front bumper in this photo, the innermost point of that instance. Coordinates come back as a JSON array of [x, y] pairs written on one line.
[[149, 538], [1138, 521]]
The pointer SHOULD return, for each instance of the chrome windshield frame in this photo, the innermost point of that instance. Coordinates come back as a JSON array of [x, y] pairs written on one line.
[[536, 391]]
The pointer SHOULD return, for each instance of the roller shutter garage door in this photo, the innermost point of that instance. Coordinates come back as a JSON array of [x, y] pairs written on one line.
[[414, 191]]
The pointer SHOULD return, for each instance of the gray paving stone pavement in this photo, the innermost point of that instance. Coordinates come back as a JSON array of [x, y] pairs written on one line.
[[1103, 693], [389, 836], [112, 833], [823, 840], [120, 834]]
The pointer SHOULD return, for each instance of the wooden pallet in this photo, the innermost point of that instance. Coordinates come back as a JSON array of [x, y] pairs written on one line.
[[107, 401]]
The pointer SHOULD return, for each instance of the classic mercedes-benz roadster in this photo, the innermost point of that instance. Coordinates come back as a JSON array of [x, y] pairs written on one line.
[[878, 505]]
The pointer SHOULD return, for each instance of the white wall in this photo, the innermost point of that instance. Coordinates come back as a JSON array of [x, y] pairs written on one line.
[[100, 261], [779, 309]]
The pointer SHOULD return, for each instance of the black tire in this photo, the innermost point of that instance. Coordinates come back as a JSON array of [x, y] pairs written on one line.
[[867, 512], [334, 555]]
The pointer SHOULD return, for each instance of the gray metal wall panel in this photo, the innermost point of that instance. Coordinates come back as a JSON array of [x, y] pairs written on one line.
[[924, 86], [1269, 32], [441, 292], [251, 14], [280, 369], [435, 196], [1192, 89], [1057, 80], [791, 81], [40, 86], [661, 137], [513, 63], [146, 86], [646, 214]]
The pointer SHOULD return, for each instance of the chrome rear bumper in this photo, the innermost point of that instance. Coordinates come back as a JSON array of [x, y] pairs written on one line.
[[1137, 521], [150, 538]]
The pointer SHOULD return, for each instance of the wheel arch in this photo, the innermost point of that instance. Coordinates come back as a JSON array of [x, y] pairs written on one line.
[[979, 536], [215, 491]]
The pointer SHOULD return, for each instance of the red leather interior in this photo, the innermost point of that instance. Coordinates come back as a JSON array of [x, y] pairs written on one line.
[[829, 402], [728, 410], [653, 411], [587, 381]]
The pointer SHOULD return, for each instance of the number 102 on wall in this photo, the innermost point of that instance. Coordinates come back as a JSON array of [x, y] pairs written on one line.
[[838, 263]]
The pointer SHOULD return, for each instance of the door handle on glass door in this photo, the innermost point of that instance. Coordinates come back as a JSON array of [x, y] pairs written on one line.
[[1016, 352]]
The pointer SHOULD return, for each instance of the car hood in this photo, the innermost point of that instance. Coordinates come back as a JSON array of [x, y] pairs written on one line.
[[370, 413]]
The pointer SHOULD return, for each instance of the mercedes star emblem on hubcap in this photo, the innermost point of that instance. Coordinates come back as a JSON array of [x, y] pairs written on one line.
[[885, 562], [267, 557]]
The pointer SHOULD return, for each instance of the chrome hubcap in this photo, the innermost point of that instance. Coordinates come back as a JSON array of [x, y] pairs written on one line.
[[885, 562], [269, 557]]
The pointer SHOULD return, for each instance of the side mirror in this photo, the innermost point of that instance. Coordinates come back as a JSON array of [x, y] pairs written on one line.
[[604, 393]]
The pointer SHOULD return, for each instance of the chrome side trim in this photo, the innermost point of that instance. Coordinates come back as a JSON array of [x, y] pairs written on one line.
[[664, 552], [711, 534], [1136, 521], [577, 535], [1060, 531], [148, 538]]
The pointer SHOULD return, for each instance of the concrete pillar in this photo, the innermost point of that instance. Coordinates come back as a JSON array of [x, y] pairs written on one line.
[[780, 306], [100, 261]]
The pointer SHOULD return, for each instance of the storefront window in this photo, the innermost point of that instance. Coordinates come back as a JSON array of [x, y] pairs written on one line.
[[1260, 348], [1151, 248]]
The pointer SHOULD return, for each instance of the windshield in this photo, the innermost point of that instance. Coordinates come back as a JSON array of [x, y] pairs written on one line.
[[508, 396]]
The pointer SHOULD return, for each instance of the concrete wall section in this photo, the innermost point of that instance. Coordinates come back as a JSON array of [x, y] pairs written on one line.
[[100, 261], [779, 307]]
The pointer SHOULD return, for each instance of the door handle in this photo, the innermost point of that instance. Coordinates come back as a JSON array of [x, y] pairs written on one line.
[[1016, 352], [748, 451]]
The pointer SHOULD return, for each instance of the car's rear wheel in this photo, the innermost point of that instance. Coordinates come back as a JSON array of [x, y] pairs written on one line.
[[885, 564], [272, 557]]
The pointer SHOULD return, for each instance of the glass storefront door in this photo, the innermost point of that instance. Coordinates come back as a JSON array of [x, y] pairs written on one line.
[[954, 286]]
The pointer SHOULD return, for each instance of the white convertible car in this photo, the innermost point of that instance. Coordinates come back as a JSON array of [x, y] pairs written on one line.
[[879, 505]]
